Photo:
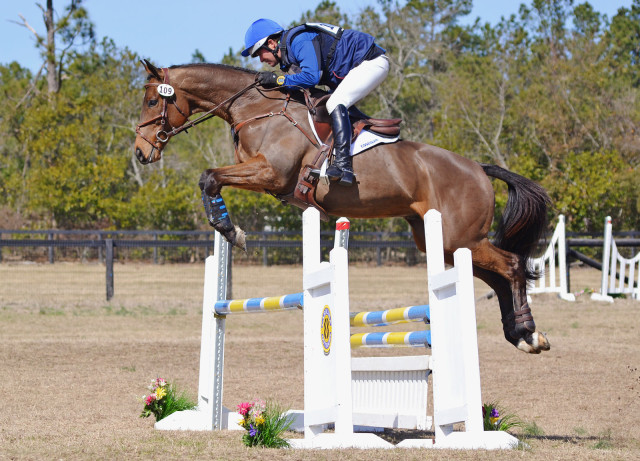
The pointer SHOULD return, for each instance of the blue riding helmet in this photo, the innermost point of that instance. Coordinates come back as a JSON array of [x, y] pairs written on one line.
[[257, 35]]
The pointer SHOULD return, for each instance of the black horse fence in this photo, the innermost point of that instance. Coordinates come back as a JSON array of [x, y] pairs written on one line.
[[104, 248], [165, 247]]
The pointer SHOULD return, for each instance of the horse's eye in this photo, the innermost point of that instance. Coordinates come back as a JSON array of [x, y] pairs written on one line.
[[152, 102]]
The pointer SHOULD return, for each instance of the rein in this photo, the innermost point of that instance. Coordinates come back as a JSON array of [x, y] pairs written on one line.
[[163, 135]]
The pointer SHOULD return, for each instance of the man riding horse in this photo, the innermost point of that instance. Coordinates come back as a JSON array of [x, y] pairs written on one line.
[[345, 60]]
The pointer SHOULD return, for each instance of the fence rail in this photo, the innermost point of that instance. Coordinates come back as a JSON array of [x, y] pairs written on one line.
[[262, 247], [107, 242]]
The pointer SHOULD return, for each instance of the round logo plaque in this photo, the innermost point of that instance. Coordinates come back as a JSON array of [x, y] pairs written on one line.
[[325, 330]]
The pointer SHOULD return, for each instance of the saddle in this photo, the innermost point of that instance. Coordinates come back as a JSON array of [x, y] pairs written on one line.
[[317, 104], [304, 193]]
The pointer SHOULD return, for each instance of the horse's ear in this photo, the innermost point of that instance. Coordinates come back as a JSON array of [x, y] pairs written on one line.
[[151, 69]]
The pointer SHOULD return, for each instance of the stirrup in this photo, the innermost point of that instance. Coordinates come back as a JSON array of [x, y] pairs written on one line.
[[347, 179], [344, 178], [334, 172]]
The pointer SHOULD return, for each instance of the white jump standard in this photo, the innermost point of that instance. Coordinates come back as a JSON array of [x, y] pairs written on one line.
[[612, 261], [342, 391], [546, 266]]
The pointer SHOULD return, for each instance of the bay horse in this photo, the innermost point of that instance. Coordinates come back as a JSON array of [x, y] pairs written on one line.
[[403, 179]]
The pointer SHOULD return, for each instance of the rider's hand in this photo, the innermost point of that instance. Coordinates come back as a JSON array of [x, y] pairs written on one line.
[[269, 79]]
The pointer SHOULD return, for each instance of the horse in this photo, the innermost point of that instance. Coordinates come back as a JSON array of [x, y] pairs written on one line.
[[405, 179]]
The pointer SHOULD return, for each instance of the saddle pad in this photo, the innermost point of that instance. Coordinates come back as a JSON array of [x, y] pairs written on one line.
[[365, 140], [368, 139]]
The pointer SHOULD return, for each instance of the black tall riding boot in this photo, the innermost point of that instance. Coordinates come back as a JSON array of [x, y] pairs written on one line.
[[341, 169]]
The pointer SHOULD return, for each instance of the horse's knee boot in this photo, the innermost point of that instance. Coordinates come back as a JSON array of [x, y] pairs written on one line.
[[216, 211]]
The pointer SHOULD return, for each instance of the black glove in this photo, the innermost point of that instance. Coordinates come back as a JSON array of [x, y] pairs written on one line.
[[269, 79]]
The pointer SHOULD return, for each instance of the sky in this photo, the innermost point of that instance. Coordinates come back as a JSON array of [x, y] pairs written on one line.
[[168, 31]]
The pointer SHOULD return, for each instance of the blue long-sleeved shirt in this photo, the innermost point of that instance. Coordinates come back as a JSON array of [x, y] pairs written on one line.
[[304, 49], [305, 54]]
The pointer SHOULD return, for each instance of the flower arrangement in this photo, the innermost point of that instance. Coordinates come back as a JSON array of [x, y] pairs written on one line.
[[264, 423], [164, 400], [493, 421]]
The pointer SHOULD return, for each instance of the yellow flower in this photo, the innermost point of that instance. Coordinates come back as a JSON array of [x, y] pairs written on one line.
[[160, 392], [260, 420], [493, 420]]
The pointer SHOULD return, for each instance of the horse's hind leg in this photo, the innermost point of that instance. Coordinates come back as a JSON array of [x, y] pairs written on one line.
[[504, 273]]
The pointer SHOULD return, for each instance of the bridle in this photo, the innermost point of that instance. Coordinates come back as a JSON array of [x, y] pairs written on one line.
[[162, 135], [167, 131]]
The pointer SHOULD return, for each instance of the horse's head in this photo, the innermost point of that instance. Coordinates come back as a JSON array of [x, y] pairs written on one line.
[[163, 110]]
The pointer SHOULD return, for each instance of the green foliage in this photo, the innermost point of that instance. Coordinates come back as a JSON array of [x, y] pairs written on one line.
[[496, 418], [265, 424], [327, 12], [164, 400], [532, 429], [551, 93], [588, 186]]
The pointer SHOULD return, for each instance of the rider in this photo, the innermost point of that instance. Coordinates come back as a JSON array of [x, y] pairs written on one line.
[[347, 61]]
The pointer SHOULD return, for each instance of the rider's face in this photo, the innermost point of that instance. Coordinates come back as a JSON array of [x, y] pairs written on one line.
[[266, 55]]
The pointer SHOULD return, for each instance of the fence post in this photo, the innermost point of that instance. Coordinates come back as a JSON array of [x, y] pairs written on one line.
[[155, 249], [567, 258], [50, 237], [108, 243], [230, 274]]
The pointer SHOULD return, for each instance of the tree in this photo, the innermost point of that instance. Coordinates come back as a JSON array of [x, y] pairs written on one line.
[[74, 29], [327, 12], [623, 39], [416, 39]]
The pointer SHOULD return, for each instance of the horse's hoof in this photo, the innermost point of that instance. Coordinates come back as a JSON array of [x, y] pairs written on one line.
[[539, 343], [543, 341], [240, 239]]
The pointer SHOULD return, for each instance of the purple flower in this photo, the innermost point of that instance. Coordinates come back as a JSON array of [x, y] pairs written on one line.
[[494, 413], [253, 431]]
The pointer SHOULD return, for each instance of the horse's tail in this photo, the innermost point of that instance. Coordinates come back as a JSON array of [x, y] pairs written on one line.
[[524, 218]]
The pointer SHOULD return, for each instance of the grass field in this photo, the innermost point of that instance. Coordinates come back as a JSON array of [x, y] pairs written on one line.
[[75, 366]]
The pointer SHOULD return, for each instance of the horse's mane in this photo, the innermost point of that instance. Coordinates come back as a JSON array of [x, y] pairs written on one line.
[[213, 65], [296, 94]]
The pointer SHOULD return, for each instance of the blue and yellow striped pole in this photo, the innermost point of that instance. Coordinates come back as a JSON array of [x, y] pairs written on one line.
[[269, 304], [413, 339], [391, 316]]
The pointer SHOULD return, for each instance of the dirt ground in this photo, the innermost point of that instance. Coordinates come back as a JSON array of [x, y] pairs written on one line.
[[74, 366]]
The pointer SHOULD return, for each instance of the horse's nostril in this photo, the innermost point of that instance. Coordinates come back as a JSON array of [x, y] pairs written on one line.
[[140, 155]]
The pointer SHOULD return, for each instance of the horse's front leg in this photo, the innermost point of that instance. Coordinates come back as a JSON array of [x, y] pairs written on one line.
[[255, 174]]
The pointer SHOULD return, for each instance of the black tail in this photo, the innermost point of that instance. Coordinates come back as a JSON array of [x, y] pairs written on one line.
[[524, 218]]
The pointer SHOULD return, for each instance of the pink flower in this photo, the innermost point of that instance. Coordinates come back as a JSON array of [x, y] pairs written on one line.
[[150, 398], [244, 408]]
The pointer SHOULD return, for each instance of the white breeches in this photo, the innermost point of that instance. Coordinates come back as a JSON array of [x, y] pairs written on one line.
[[359, 82]]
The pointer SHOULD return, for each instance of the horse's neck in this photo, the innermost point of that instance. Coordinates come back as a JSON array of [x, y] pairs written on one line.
[[208, 87]]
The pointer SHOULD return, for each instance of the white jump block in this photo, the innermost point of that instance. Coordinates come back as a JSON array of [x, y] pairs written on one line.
[[197, 420], [391, 392]]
